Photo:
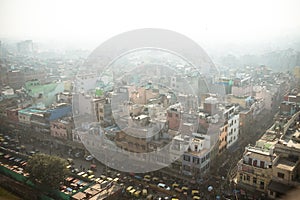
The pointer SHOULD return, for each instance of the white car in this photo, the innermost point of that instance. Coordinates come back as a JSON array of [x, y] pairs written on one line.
[[162, 185], [89, 158]]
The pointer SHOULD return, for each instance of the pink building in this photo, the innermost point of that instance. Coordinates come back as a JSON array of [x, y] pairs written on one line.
[[174, 117], [62, 128]]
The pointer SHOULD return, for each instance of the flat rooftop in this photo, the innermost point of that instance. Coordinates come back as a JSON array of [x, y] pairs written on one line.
[[285, 164]]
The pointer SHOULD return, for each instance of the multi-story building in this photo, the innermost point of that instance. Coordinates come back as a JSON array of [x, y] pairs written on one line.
[[196, 160], [62, 128], [255, 168], [174, 114], [103, 112], [44, 93], [285, 176], [242, 87], [40, 118], [286, 170], [231, 125], [272, 166]]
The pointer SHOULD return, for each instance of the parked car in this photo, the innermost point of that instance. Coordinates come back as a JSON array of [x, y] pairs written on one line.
[[89, 158], [164, 186]]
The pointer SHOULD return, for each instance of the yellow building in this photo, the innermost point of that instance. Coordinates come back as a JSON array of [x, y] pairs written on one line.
[[285, 176], [255, 169]]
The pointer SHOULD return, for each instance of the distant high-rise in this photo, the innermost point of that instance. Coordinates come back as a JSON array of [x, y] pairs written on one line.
[[25, 47]]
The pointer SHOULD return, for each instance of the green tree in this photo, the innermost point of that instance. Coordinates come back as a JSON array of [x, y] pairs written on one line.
[[47, 170]]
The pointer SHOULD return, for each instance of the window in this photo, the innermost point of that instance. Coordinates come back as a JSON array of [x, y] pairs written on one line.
[[250, 161], [262, 185], [195, 160], [207, 156], [254, 180], [262, 164], [280, 175], [255, 163], [248, 178], [202, 160], [186, 158]]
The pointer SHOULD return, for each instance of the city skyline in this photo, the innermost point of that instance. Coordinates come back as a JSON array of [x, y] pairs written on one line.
[[212, 24]]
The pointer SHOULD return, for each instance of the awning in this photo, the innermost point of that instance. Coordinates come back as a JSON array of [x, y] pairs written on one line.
[[279, 187]]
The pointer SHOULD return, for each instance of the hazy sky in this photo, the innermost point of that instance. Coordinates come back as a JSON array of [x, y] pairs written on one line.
[[94, 21]]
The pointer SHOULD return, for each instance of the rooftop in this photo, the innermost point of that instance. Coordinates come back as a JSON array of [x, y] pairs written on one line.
[[259, 156], [285, 164]]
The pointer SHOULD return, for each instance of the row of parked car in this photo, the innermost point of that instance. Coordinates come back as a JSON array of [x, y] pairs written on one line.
[[174, 187]]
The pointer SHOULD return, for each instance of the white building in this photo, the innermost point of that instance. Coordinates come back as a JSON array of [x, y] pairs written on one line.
[[231, 116], [196, 160]]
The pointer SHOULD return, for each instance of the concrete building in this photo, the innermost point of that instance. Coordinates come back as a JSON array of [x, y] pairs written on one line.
[[272, 165], [103, 112], [285, 177], [231, 116], [255, 168], [40, 118], [196, 160], [141, 95], [174, 114], [62, 128], [246, 122], [85, 82], [44, 94], [242, 87], [266, 94], [210, 105]]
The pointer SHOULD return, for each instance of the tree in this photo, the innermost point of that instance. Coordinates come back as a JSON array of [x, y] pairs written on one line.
[[47, 170]]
